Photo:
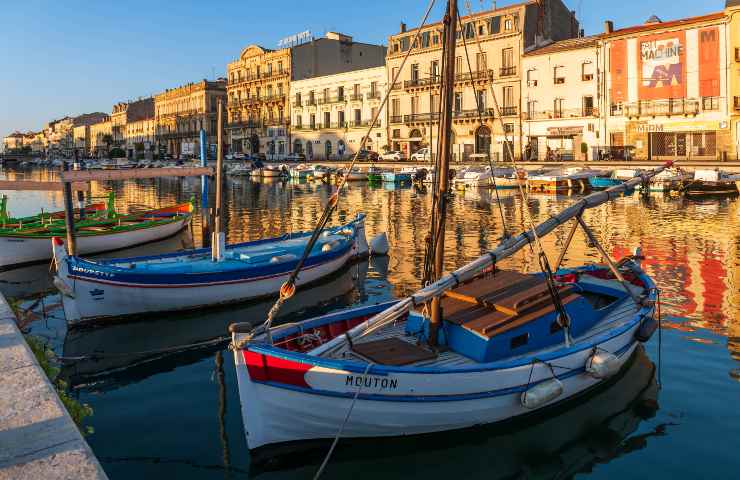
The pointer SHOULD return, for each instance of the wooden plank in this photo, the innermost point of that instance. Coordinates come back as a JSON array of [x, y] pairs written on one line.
[[393, 351], [37, 185], [130, 173]]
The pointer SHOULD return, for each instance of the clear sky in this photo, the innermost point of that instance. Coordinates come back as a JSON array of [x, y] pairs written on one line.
[[70, 57]]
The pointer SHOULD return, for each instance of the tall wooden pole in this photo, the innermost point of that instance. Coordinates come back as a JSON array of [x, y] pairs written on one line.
[[69, 216], [448, 85], [218, 243]]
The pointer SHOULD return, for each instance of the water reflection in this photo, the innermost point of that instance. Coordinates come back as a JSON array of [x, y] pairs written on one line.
[[594, 429]]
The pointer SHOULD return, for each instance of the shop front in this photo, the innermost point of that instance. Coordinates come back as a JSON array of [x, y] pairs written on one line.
[[683, 140]]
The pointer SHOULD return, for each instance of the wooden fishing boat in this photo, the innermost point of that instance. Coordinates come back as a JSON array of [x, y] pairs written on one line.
[[92, 210], [96, 290], [392, 176], [475, 346], [502, 352], [711, 183], [26, 245], [353, 175], [374, 174]]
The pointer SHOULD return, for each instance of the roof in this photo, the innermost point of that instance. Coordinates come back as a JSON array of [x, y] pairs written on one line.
[[671, 24], [564, 45]]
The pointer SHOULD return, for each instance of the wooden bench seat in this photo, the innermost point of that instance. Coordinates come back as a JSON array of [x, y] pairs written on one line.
[[392, 351]]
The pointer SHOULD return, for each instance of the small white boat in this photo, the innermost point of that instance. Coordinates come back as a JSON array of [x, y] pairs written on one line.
[[670, 179], [320, 172], [300, 171], [273, 171], [355, 175], [102, 289], [558, 179], [239, 169]]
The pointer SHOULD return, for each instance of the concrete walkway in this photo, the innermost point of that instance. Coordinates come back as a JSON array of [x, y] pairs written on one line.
[[38, 438]]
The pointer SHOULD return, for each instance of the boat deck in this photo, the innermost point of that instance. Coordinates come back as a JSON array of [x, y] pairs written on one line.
[[621, 314]]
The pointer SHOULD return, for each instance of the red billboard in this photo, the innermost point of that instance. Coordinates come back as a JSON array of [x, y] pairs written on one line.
[[709, 73], [662, 66], [618, 69]]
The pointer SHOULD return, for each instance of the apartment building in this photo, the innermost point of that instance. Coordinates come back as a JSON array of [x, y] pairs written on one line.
[[732, 10], [667, 89], [259, 85], [181, 112], [100, 138], [562, 101], [12, 142], [488, 62], [331, 114]]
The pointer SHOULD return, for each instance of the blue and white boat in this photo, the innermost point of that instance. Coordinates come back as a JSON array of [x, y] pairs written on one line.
[[507, 345], [391, 176], [102, 289], [616, 177]]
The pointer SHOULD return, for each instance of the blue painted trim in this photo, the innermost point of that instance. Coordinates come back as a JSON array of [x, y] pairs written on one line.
[[433, 398]]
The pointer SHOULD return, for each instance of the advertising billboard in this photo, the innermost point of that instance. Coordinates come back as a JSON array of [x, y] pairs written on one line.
[[662, 66], [618, 64], [709, 73]]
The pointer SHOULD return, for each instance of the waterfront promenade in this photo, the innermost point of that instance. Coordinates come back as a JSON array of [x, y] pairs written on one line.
[[38, 438]]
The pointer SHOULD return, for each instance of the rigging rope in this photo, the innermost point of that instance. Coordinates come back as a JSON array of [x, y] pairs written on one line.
[[288, 288]]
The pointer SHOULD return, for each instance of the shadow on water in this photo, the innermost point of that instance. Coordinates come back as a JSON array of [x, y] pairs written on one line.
[[569, 438]]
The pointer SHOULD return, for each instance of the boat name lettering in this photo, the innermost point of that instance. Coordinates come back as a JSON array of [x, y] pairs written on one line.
[[371, 382], [90, 271]]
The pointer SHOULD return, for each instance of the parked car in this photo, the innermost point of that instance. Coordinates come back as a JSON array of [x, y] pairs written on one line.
[[393, 156], [421, 155], [295, 157], [367, 155]]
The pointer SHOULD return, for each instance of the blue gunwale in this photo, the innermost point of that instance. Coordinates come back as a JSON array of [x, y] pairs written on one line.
[[359, 367]]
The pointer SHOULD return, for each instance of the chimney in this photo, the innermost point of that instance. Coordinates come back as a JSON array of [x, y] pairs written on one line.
[[608, 26], [403, 27]]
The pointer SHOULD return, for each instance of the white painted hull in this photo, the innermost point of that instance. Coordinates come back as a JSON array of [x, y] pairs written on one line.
[[356, 176], [122, 300], [273, 415], [16, 250]]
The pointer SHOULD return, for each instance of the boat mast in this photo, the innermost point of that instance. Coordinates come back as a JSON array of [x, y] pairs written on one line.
[[218, 243], [448, 84]]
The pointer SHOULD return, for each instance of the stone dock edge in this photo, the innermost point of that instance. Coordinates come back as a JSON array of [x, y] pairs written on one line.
[[38, 438]]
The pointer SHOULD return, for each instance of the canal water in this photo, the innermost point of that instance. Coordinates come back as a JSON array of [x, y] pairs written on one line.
[[164, 392]]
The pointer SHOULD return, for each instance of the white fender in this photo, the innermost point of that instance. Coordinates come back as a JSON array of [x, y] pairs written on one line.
[[361, 248], [542, 393], [379, 244], [602, 365]]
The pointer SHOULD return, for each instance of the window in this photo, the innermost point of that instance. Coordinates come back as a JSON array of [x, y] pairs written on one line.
[[414, 72], [312, 121], [558, 74], [298, 121], [587, 72], [508, 96], [269, 91], [358, 116], [481, 100], [425, 39], [494, 25], [531, 108], [280, 67], [737, 54], [458, 65], [340, 93], [557, 107], [404, 44], [373, 113], [298, 99], [434, 70], [480, 62], [326, 95], [508, 128], [395, 48], [435, 39], [469, 30], [373, 89], [269, 69], [531, 78], [588, 106], [394, 73], [327, 119], [508, 24], [507, 58], [340, 115], [458, 101], [414, 105], [396, 107], [280, 89], [257, 92], [481, 30], [434, 103], [311, 97]]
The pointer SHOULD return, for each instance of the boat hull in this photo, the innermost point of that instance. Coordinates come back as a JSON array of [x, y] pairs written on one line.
[[403, 403], [18, 250]]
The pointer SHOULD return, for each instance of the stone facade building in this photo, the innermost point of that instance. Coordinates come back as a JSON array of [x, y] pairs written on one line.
[[667, 89], [259, 84], [81, 131], [14, 141], [732, 10], [181, 112], [100, 138], [489, 48], [562, 100], [331, 114]]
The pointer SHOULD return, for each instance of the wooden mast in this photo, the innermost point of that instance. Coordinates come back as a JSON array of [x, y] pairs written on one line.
[[448, 84], [218, 243]]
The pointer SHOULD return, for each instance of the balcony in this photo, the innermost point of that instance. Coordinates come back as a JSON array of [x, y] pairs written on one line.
[[364, 123], [653, 108], [355, 97], [297, 104], [244, 124], [274, 98], [507, 71], [508, 111], [396, 119], [331, 99], [421, 82], [474, 114], [373, 96], [333, 126], [311, 102], [416, 118], [476, 76], [563, 113]]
